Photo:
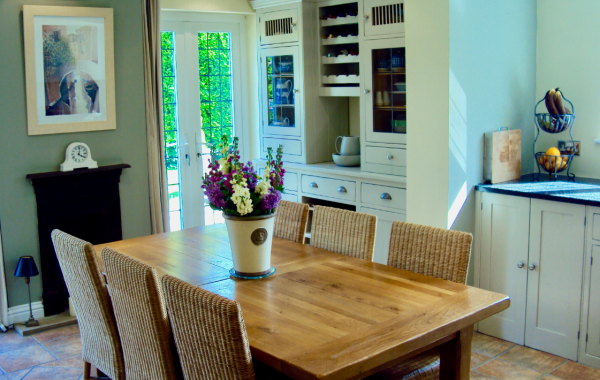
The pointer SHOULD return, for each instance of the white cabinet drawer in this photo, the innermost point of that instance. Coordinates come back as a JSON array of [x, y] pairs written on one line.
[[596, 226], [291, 147], [329, 187], [383, 196], [384, 229], [290, 197], [279, 27], [290, 180], [385, 156]]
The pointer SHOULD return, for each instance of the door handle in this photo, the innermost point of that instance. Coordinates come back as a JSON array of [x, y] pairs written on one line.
[[313, 184], [531, 266], [186, 155], [342, 189], [520, 265]]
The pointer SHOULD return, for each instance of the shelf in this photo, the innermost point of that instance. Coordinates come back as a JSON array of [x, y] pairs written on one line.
[[388, 108], [340, 21], [291, 75], [340, 91], [340, 79], [389, 73], [340, 59], [398, 92], [340, 40], [282, 105]]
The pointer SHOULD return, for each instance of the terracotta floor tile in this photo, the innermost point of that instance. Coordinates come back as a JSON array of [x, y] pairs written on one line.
[[26, 357], [479, 376], [66, 347], [488, 345], [550, 377], [50, 373], [530, 358], [477, 359], [13, 341], [576, 371], [507, 371], [17, 375], [62, 332], [70, 362]]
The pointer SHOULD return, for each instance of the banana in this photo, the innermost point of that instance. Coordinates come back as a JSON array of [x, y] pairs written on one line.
[[550, 102], [558, 103]]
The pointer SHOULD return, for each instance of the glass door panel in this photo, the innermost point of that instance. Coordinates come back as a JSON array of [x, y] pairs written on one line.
[[280, 92], [386, 95]]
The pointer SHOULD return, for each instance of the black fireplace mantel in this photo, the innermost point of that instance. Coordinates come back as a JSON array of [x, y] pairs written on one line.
[[84, 203]]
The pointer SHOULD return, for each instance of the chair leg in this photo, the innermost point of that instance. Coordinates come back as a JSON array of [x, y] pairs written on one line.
[[87, 368]]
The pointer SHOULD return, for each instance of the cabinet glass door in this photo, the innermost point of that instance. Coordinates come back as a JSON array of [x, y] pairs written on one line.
[[281, 99], [385, 90]]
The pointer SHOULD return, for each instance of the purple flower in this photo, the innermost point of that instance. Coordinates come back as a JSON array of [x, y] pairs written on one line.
[[270, 200]]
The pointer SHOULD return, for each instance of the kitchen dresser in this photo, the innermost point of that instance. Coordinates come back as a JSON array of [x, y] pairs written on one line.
[[314, 57], [536, 242]]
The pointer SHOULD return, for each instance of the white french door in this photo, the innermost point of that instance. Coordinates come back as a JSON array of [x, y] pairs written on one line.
[[202, 99]]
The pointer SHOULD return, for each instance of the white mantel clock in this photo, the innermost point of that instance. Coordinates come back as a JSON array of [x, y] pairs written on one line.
[[78, 155]]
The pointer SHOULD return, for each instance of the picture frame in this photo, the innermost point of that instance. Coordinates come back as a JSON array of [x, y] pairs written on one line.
[[69, 69]]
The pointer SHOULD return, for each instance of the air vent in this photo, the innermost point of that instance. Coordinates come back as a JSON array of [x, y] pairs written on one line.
[[388, 14], [278, 27]]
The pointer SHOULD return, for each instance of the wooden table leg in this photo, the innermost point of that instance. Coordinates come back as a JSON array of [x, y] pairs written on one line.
[[455, 356]]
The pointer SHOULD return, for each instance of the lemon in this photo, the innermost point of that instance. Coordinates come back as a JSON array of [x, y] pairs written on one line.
[[553, 152]]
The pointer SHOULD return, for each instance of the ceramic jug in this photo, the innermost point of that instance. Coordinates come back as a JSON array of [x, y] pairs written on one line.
[[350, 146], [283, 91]]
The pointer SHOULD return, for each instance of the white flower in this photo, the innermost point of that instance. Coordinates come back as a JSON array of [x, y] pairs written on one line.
[[244, 207], [241, 191], [224, 165], [263, 187]]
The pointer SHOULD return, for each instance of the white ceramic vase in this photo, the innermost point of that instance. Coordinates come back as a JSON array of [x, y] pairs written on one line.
[[250, 239]]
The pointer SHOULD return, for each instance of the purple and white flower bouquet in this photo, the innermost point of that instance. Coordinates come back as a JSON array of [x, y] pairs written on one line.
[[236, 189]]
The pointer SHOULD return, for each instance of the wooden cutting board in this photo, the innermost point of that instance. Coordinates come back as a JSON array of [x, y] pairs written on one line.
[[506, 155]]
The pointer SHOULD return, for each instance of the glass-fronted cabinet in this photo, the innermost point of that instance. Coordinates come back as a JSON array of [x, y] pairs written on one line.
[[385, 91], [281, 100]]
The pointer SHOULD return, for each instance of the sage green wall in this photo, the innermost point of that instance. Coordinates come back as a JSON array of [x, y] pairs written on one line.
[[21, 154]]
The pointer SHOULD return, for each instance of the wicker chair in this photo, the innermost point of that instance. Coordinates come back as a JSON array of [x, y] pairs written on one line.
[[142, 319], [291, 220], [209, 333], [347, 232], [434, 252], [100, 341]]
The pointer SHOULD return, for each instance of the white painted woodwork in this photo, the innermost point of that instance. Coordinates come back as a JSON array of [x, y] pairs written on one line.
[[290, 147], [384, 160], [383, 196], [504, 244], [290, 197], [384, 229], [279, 27], [368, 93], [556, 240], [383, 18], [297, 84], [329, 187], [291, 181], [589, 341]]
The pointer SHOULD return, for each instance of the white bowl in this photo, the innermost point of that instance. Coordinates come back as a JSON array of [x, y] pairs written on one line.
[[346, 160]]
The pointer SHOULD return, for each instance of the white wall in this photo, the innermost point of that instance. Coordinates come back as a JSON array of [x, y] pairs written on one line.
[[427, 62], [568, 56]]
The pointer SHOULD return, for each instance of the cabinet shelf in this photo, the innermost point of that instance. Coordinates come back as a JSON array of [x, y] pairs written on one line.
[[389, 73], [282, 105], [340, 79], [340, 59], [340, 40], [340, 21], [389, 108], [281, 75]]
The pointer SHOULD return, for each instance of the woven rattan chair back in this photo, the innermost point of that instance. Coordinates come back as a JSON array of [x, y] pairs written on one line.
[[209, 333], [431, 251], [346, 232], [141, 316], [100, 341], [291, 220]]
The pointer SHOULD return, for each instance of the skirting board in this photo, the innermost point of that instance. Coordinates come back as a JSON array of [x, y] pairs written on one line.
[[17, 314]]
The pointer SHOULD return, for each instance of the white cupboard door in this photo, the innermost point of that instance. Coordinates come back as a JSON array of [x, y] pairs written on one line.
[[279, 27], [589, 352], [384, 229], [556, 239], [503, 261], [281, 91], [383, 17]]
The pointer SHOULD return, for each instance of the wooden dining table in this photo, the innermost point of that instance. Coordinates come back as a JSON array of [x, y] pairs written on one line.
[[323, 315]]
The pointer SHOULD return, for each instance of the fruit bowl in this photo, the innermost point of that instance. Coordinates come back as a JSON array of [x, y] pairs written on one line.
[[554, 123], [553, 164]]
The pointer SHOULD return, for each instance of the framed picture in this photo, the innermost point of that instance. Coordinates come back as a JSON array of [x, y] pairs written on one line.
[[69, 69]]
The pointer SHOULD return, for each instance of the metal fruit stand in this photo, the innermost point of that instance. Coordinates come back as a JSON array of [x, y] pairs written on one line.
[[554, 124]]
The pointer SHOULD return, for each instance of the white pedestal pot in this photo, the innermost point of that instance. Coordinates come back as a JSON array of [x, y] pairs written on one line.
[[251, 238]]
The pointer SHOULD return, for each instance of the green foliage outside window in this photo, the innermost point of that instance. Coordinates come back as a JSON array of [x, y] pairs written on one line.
[[169, 99], [57, 53]]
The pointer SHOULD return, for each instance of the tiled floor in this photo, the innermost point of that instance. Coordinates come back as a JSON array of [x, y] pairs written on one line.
[[56, 355]]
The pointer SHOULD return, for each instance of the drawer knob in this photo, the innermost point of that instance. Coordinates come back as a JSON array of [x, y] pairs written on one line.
[[365, 17], [366, 91], [293, 24], [342, 189], [390, 157], [531, 266], [386, 196], [313, 184], [520, 265]]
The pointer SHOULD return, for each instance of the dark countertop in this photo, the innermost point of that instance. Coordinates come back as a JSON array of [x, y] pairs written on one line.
[[585, 191]]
